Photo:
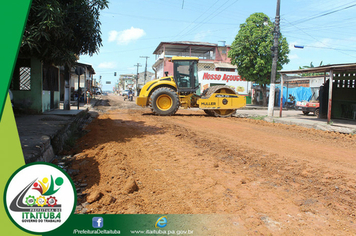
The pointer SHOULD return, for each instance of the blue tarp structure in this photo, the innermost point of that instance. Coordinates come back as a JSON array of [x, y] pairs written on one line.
[[300, 94]]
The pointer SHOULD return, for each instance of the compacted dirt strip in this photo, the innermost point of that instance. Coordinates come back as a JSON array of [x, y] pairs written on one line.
[[271, 179]]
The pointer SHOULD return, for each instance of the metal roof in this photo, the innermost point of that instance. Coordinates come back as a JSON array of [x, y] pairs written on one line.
[[181, 46], [351, 67], [88, 66]]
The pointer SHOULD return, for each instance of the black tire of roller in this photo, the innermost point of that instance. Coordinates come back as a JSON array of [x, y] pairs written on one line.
[[172, 94], [209, 112]]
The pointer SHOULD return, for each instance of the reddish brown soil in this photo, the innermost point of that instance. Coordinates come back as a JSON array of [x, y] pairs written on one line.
[[272, 178]]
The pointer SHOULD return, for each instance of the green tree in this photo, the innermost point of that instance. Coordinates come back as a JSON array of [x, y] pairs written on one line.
[[58, 31], [251, 51]]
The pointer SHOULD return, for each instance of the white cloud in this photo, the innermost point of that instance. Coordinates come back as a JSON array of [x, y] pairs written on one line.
[[322, 5], [112, 35], [107, 65], [326, 42], [126, 36], [318, 44], [201, 35]]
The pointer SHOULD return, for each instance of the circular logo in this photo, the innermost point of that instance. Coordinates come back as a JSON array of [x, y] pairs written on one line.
[[39, 197]]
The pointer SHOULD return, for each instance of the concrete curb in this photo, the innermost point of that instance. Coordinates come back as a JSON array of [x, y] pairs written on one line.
[[51, 143]]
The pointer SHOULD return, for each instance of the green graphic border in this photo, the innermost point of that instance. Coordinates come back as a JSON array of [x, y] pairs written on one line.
[[33, 164], [13, 17]]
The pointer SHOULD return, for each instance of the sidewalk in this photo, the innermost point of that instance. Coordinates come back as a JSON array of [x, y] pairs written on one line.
[[296, 117], [44, 135]]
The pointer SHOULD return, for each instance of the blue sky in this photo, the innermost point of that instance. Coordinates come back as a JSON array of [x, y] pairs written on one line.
[[134, 28]]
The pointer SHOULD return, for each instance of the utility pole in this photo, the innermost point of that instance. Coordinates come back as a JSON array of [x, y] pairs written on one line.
[[145, 68], [138, 65], [272, 88]]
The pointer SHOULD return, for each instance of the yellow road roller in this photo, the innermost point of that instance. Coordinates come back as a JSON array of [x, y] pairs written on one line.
[[165, 95]]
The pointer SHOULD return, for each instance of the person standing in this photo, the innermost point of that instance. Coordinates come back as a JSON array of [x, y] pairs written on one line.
[[130, 95], [88, 97]]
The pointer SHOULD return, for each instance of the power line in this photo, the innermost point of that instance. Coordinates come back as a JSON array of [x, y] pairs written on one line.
[[139, 49], [323, 14], [337, 26], [230, 28], [198, 6], [165, 19], [301, 38], [336, 49], [197, 18], [316, 38], [212, 17]]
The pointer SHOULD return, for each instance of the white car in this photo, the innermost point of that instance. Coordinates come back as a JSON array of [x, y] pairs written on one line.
[[125, 92], [97, 91]]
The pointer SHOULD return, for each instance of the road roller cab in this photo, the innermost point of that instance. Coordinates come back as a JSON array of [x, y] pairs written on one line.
[[165, 95]]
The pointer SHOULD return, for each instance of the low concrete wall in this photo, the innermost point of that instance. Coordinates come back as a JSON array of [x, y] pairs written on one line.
[[66, 137], [48, 147]]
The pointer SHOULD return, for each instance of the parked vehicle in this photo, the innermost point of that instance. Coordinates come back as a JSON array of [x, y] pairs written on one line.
[[125, 92], [312, 106], [300, 105], [97, 91]]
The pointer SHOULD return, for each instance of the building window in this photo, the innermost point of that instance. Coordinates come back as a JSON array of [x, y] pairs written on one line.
[[206, 67], [21, 79], [25, 78]]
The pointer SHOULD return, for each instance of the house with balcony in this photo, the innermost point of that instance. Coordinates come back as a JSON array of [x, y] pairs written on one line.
[[127, 81]]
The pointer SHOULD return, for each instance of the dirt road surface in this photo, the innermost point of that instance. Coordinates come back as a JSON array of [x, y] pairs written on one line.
[[269, 179]]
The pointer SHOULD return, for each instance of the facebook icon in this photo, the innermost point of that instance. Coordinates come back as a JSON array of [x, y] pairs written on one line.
[[98, 222]]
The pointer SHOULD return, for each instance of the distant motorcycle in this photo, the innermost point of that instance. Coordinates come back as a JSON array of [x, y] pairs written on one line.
[[291, 104], [128, 97]]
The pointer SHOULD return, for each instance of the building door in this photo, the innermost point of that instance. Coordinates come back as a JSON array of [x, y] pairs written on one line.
[[50, 82]]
